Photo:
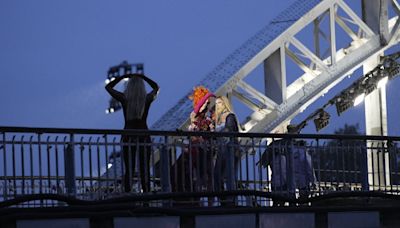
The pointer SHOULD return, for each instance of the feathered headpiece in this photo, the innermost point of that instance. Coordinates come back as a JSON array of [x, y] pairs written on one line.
[[199, 97]]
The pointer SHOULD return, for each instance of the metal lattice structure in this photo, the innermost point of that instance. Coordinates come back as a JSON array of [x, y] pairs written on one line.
[[280, 101]]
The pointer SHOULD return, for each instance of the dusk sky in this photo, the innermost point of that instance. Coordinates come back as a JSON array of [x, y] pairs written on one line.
[[54, 56]]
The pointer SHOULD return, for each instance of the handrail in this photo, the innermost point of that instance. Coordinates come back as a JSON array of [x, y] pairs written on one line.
[[11, 129]]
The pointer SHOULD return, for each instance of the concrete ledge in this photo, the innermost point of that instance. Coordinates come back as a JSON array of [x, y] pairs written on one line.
[[287, 220], [231, 221], [153, 222], [54, 223], [356, 219]]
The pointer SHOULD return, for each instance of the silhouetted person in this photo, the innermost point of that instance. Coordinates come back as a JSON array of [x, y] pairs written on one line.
[[135, 103], [228, 153], [291, 166]]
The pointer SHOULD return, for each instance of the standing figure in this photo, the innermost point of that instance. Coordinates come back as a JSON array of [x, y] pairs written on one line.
[[201, 119], [291, 166], [135, 102], [192, 169], [276, 156], [228, 152]]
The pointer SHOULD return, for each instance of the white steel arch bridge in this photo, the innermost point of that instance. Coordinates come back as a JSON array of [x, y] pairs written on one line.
[[371, 31]]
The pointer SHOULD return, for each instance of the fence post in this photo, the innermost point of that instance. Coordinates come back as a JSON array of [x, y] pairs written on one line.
[[230, 180], [69, 167], [364, 167], [165, 167], [4, 166]]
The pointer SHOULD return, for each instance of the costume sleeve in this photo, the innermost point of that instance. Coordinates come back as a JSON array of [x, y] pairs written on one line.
[[153, 94], [114, 93], [192, 126]]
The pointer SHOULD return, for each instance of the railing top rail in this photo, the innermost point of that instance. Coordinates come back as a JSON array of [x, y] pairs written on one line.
[[10, 129]]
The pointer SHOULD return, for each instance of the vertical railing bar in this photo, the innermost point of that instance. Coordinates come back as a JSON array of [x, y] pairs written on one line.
[[90, 167], [323, 152], [247, 166], [40, 163], [355, 171], [130, 170], [81, 150], [378, 184], [379, 165], [384, 153], [165, 167], [57, 163], [13, 166], [388, 149], [290, 157], [183, 171], [311, 152], [337, 163], [190, 164], [254, 162], [198, 188], [70, 168], [317, 155], [99, 182], [138, 166], [203, 157], [279, 147], [240, 165], [260, 175], [5, 165], [213, 148], [114, 155], [396, 167], [106, 159], [65, 145], [342, 148], [372, 165], [385, 180], [31, 165], [393, 153], [146, 164], [363, 166], [122, 162], [48, 164], [49, 168], [23, 165], [153, 176]]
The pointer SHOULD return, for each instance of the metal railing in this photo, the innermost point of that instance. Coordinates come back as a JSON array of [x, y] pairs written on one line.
[[38, 165]]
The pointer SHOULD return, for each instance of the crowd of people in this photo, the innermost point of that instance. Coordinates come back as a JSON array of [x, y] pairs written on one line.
[[205, 164]]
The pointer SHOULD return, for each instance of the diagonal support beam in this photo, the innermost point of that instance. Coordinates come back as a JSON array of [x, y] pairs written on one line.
[[257, 95], [298, 61], [364, 27], [396, 6], [395, 30], [249, 103], [308, 53], [346, 28]]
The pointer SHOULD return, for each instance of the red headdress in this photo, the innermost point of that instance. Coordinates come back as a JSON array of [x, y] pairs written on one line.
[[199, 97]]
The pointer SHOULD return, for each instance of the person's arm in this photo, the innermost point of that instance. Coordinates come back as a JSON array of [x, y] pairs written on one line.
[[114, 93], [152, 84], [192, 126], [266, 157]]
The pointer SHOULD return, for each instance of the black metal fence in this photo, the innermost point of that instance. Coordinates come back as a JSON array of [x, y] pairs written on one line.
[[198, 168]]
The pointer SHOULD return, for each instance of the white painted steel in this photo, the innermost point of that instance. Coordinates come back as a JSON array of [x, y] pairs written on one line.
[[268, 114]]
